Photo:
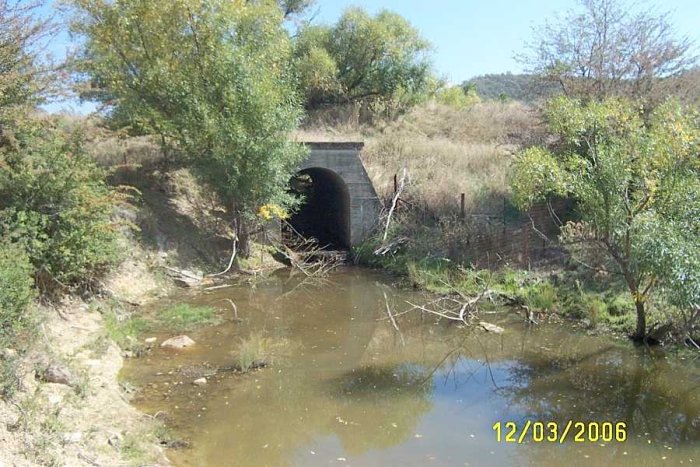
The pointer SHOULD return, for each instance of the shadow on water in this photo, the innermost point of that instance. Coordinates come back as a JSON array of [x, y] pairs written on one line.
[[348, 389]]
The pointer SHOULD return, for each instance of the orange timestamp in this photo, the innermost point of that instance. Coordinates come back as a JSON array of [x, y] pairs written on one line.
[[555, 432]]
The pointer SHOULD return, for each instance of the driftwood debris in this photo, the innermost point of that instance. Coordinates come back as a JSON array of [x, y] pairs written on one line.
[[184, 277], [308, 256], [391, 247]]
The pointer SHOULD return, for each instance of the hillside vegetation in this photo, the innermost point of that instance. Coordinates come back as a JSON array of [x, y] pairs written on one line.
[[446, 150], [511, 86]]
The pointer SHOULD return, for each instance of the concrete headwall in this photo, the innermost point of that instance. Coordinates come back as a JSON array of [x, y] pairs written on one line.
[[344, 160]]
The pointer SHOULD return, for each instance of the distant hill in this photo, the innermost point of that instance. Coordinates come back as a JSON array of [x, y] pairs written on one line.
[[686, 86], [528, 88], [517, 87]]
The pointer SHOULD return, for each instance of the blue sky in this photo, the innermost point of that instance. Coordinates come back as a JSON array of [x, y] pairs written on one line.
[[473, 37]]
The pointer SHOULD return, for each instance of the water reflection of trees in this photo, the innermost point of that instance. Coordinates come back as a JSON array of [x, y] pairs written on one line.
[[269, 420], [327, 392], [348, 381], [387, 401], [583, 381]]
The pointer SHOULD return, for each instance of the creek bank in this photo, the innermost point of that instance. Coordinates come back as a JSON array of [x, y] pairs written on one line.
[[70, 407]]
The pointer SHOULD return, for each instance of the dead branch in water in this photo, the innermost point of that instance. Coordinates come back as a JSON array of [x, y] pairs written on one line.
[[448, 308], [391, 317], [456, 306]]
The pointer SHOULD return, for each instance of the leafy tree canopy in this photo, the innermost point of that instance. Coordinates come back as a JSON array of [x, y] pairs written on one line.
[[211, 76], [22, 78], [362, 58]]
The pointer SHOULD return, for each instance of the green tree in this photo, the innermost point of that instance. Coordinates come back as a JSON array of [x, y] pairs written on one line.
[[606, 49], [458, 96], [291, 8], [627, 172], [210, 76], [362, 59]]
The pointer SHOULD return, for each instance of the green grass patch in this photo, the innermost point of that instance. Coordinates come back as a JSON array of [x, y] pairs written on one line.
[[125, 330], [183, 316], [259, 348], [541, 296]]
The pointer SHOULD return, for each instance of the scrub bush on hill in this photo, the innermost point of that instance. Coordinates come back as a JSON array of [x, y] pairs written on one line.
[[16, 294], [55, 203]]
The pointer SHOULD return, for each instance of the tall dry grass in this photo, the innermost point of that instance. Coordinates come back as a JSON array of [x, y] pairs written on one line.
[[446, 151]]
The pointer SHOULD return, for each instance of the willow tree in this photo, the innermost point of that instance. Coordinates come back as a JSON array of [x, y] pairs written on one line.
[[635, 179], [23, 75], [363, 58], [212, 77]]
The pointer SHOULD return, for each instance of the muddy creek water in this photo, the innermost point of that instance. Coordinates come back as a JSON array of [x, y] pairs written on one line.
[[344, 388]]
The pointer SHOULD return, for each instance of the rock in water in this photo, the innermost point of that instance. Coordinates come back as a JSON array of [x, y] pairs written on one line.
[[491, 327], [199, 382], [184, 277], [178, 342]]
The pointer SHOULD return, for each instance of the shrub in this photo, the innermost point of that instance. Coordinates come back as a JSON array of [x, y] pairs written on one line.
[[54, 201], [457, 97], [16, 292]]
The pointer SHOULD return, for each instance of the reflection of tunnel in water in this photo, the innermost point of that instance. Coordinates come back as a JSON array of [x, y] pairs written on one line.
[[325, 213]]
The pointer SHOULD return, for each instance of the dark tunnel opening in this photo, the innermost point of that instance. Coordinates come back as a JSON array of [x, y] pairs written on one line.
[[325, 212]]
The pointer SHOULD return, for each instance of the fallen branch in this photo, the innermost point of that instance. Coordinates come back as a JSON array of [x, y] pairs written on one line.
[[394, 201], [452, 315], [230, 263], [235, 309], [391, 247]]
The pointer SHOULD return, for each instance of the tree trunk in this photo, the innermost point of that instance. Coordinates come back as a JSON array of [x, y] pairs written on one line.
[[641, 331], [241, 230]]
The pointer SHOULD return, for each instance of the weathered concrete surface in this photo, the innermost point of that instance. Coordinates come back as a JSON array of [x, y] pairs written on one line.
[[344, 159]]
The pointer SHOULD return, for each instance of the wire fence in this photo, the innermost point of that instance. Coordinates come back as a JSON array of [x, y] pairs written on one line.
[[499, 235], [515, 237]]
